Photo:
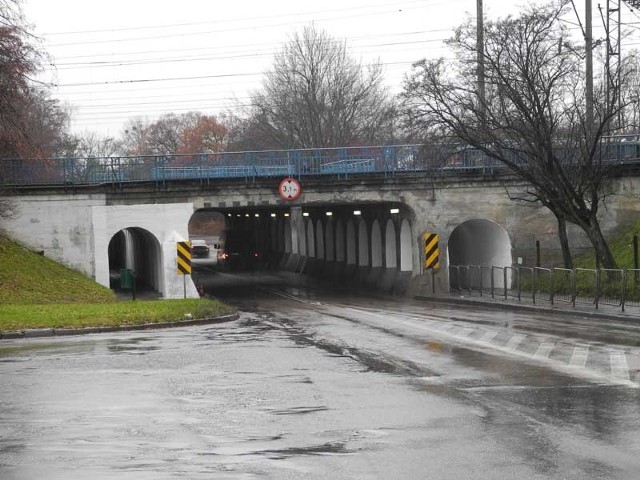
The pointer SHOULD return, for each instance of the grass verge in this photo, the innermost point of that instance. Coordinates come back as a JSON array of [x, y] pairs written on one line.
[[78, 315], [26, 278], [36, 292]]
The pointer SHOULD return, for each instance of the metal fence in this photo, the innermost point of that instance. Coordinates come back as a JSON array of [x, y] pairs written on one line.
[[595, 287], [343, 162]]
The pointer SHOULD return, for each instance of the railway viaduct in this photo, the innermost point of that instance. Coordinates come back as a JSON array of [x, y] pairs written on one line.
[[365, 230]]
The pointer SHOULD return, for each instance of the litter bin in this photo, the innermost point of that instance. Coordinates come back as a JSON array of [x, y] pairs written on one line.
[[126, 278]]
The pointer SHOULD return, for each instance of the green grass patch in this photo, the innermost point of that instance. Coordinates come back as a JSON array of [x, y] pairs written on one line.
[[621, 247], [36, 292], [29, 278], [77, 315]]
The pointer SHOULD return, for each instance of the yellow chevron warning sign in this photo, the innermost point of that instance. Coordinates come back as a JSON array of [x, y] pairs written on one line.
[[184, 258], [431, 252]]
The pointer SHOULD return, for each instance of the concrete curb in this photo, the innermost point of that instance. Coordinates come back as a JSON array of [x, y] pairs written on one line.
[[497, 305], [61, 332]]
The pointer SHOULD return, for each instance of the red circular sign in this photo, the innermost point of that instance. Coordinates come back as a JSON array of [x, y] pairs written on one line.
[[289, 189]]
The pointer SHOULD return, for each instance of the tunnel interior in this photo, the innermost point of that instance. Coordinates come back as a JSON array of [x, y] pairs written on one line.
[[327, 241], [479, 242], [138, 250]]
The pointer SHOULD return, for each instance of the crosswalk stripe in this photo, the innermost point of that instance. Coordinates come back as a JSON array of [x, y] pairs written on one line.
[[445, 326], [619, 367], [544, 350], [579, 356], [465, 332], [514, 341], [488, 336]]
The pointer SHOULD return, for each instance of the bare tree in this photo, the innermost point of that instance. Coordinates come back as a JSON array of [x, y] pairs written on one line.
[[134, 137], [533, 119], [91, 144], [31, 122], [316, 95], [191, 132]]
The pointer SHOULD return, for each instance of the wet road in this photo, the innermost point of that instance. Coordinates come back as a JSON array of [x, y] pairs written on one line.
[[322, 386]]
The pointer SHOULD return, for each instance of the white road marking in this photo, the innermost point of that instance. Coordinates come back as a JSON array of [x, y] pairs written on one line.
[[445, 326], [577, 366], [619, 367], [579, 357], [544, 350], [488, 336], [514, 342], [465, 332]]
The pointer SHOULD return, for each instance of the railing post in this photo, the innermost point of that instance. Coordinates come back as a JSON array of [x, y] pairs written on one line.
[[492, 283], [624, 289], [534, 285], [598, 285], [505, 275], [574, 288]]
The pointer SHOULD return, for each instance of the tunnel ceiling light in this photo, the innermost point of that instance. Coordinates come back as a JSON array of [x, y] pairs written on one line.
[[305, 214], [395, 210], [246, 214], [328, 214], [357, 212], [273, 215], [286, 214], [228, 214], [257, 215]]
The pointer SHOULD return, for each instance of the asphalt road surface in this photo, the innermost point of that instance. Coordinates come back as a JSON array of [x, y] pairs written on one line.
[[313, 385]]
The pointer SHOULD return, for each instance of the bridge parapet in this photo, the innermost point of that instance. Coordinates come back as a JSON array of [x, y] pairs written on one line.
[[340, 163]]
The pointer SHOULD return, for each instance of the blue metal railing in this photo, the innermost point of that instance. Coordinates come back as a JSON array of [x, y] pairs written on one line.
[[342, 162]]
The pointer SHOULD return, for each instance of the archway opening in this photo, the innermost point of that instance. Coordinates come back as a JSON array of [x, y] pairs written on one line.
[[376, 245], [351, 243], [136, 249], [406, 255], [479, 242], [390, 252], [363, 245], [319, 240], [340, 242], [329, 244], [311, 243]]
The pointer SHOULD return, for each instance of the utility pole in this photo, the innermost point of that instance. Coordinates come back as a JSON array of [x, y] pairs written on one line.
[[480, 53], [588, 37], [613, 59]]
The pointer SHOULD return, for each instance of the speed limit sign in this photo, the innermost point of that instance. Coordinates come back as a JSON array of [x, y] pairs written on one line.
[[289, 189]]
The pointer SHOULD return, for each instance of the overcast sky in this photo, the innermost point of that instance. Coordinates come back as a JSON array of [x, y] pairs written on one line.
[[126, 58]]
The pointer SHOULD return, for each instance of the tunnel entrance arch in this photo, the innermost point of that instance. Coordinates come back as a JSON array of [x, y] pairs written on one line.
[[139, 250], [376, 245], [406, 247], [319, 240], [390, 253], [479, 242], [363, 245]]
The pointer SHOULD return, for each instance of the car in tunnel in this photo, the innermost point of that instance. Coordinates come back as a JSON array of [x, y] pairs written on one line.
[[240, 252], [199, 248]]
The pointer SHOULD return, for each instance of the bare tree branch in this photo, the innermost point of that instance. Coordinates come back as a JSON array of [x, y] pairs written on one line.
[[533, 120]]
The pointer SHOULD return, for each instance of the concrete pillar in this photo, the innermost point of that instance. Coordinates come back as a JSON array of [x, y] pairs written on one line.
[[297, 236]]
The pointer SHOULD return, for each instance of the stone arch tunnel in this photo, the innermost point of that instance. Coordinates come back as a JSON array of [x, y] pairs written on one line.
[[367, 245]]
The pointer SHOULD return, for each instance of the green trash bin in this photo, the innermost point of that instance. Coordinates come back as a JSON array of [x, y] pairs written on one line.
[[126, 278]]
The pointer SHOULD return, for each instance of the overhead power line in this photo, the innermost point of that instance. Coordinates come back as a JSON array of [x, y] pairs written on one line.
[[252, 28]]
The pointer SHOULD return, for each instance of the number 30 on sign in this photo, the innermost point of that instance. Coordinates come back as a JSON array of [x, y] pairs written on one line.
[[289, 189]]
